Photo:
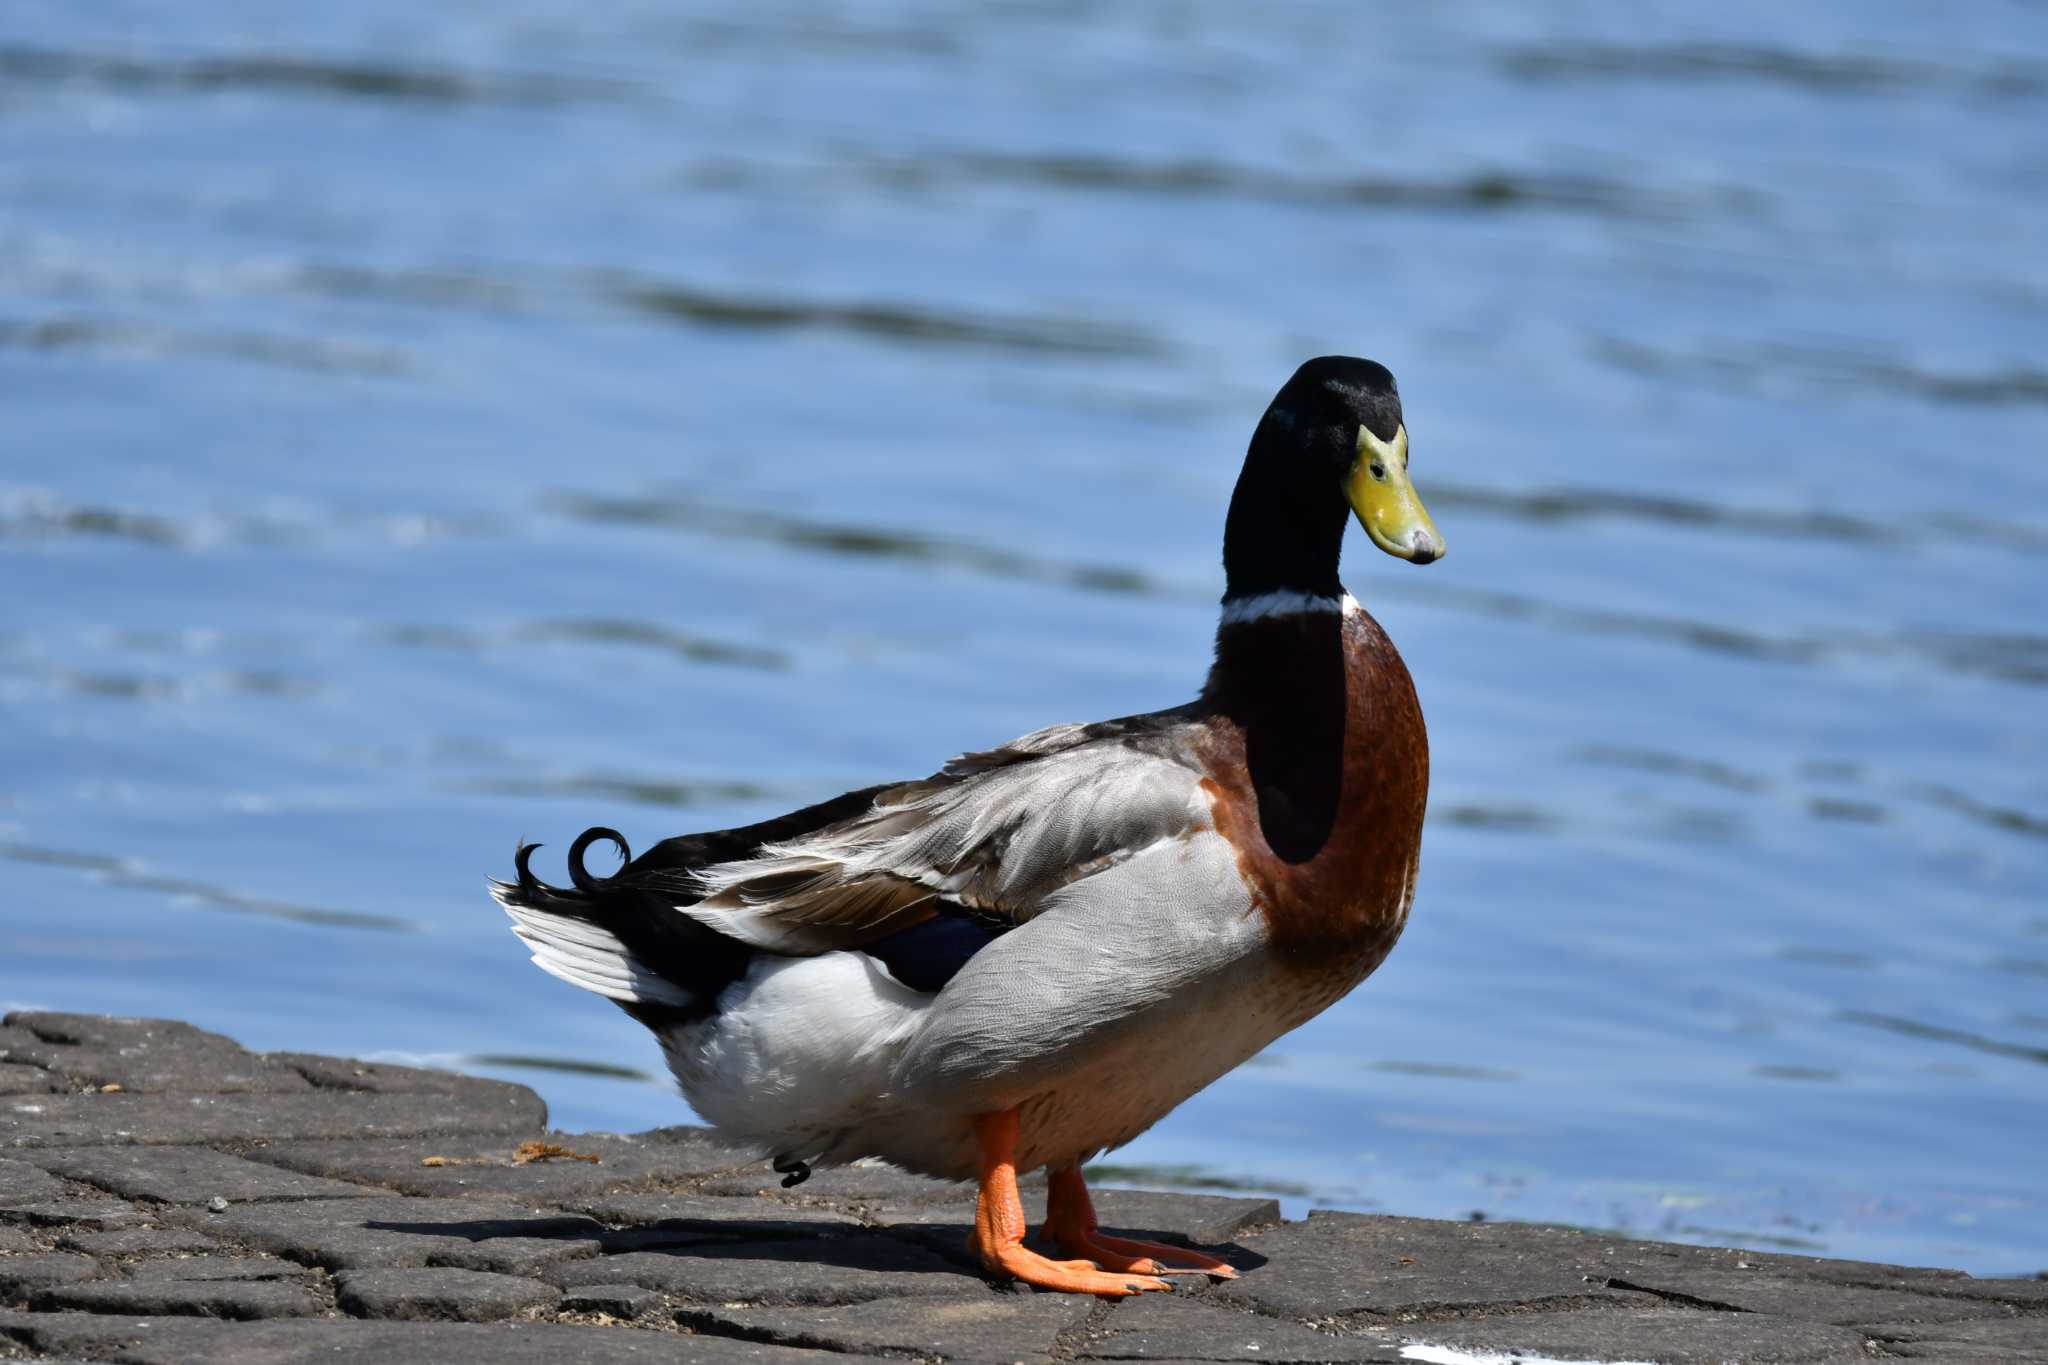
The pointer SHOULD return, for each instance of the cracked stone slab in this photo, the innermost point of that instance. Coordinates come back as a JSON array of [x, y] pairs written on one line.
[[24, 1183], [483, 1167], [979, 1327], [346, 1234], [623, 1301], [20, 1274], [135, 1242], [144, 1055], [103, 1214], [76, 1120], [224, 1267], [2030, 1296], [1170, 1327], [72, 1334], [242, 1300], [1762, 1291], [158, 1341], [2011, 1341], [185, 1175], [664, 1219], [815, 1271], [1669, 1336], [1337, 1265], [18, 1078], [439, 1295]]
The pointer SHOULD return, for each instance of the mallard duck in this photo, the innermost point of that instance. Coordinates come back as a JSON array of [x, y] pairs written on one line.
[[1036, 953]]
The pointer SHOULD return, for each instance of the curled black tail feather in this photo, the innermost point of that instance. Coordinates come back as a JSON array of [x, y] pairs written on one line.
[[578, 874], [528, 883]]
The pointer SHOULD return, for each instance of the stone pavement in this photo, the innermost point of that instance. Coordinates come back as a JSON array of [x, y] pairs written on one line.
[[167, 1197]]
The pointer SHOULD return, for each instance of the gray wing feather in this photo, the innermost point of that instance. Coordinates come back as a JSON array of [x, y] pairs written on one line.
[[997, 832]]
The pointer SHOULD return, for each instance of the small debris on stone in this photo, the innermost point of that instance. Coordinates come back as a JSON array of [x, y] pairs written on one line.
[[216, 1205], [111, 1088], [549, 1151], [433, 1161]]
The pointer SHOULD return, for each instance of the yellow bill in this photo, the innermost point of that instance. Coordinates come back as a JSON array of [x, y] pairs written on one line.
[[1386, 503]]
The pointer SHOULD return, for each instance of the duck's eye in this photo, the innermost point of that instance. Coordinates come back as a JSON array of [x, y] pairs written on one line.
[[1378, 470]]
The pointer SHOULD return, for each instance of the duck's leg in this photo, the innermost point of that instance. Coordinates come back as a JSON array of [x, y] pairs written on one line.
[[1071, 1226], [999, 1225]]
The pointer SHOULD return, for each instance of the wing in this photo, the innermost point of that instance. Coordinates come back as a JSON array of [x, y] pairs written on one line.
[[991, 835]]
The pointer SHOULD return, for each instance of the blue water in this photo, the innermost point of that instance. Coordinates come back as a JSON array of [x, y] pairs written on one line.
[[423, 427]]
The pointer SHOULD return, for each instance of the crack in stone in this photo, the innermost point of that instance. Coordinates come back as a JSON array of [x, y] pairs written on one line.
[[1675, 1296], [1936, 1289], [705, 1323], [56, 1037], [328, 1081], [1353, 1321]]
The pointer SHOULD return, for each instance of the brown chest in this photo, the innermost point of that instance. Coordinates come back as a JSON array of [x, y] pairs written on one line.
[[1318, 772]]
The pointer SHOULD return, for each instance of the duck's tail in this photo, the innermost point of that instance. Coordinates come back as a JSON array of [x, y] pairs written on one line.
[[620, 939]]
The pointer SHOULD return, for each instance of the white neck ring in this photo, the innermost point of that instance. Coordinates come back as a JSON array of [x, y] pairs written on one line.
[[1266, 606]]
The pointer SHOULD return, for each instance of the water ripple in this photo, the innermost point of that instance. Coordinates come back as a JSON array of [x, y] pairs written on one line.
[[36, 518], [605, 631], [1672, 765], [1754, 366], [1835, 73], [883, 320], [1443, 1071], [2004, 658], [128, 873], [164, 687], [1935, 1033], [508, 288], [35, 515], [643, 791], [1493, 190], [1548, 506], [300, 72], [679, 512], [2007, 818], [1501, 819], [131, 337]]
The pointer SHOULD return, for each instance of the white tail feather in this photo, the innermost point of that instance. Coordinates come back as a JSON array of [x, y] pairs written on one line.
[[585, 955]]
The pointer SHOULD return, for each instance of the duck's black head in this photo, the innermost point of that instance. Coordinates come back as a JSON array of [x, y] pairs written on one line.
[[1332, 440]]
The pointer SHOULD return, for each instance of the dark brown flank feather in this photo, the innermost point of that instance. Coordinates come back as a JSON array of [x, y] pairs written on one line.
[[1318, 770]]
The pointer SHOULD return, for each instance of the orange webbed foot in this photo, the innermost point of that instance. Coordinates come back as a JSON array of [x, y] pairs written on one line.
[[1150, 1258], [998, 1237], [1066, 1276], [1070, 1224]]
